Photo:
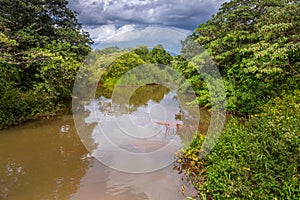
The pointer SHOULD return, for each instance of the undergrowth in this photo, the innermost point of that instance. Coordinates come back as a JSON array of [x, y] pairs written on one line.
[[258, 159]]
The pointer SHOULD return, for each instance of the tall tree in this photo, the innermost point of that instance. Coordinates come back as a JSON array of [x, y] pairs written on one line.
[[159, 55], [38, 22], [255, 44], [42, 46]]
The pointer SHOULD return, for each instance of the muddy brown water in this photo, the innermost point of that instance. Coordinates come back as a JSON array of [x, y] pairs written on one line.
[[45, 159]]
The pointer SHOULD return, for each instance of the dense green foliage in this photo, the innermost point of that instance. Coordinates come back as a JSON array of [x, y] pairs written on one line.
[[42, 46], [256, 47], [112, 63], [120, 66], [255, 160]]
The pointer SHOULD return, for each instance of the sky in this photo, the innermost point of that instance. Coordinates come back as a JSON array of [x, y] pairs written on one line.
[[129, 23]]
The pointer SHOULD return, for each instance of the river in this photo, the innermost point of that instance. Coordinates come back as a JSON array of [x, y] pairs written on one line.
[[46, 159]]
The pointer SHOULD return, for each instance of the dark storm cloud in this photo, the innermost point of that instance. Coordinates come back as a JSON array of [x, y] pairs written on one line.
[[127, 23], [185, 14]]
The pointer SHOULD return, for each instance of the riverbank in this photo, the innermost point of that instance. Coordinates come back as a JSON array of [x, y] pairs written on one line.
[[258, 159], [62, 108]]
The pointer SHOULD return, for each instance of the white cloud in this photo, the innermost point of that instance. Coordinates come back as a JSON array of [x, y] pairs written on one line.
[[128, 23], [104, 32], [132, 36], [101, 33]]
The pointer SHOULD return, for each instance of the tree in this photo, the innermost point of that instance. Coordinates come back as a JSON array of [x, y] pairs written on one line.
[[38, 22], [255, 45], [119, 67], [159, 55], [142, 51], [42, 46]]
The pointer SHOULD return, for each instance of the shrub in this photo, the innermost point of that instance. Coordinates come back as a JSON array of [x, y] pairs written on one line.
[[255, 160]]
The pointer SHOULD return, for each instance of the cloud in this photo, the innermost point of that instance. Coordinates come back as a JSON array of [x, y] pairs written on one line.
[[132, 22], [180, 13], [132, 36]]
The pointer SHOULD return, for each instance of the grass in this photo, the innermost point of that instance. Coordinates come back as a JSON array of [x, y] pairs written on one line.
[[259, 159]]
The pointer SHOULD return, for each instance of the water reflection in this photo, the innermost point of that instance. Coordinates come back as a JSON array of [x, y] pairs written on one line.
[[45, 159], [140, 135], [39, 161], [104, 183]]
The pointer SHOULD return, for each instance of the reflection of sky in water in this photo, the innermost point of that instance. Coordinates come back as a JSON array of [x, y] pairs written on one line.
[[104, 183], [40, 161], [142, 139], [134, 140]]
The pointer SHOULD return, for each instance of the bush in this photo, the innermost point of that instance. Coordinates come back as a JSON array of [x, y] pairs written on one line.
[[255, 160], [17, 106]]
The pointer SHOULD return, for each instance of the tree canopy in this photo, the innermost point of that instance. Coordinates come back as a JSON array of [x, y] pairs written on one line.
[[42, 46], [255, 45]]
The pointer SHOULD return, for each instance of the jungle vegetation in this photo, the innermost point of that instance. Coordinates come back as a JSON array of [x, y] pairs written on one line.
[[255, 45], [41, 48]]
